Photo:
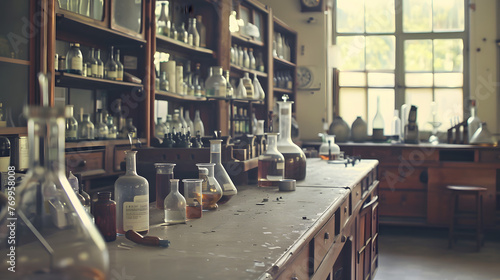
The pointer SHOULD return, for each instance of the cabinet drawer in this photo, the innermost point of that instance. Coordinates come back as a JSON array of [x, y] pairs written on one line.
[[323, 240], [420, 154], [298, 268], [355, 196], [383, 154], [397, 178], [489, 156], [402, 203], [88, 163]]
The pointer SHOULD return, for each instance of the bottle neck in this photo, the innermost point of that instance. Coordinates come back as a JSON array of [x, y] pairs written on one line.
[[215, 150], [130, 162], [285, 121], [473, 112], [272, 141]]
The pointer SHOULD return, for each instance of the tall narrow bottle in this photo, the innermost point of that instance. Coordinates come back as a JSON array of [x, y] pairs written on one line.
[[111, 68], [119, 119], [193, 35], [100, 65], [198, 124], [101, 131], [132, 199], [94, 64], [71, 125], [378, 124], [86, 128], [202, 31], [119, 69], [473, 122]]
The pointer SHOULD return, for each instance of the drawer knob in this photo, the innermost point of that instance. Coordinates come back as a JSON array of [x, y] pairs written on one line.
[[327, 235], [82, 163], [295, 278], [345, 209], [357, 193], [343, 239]]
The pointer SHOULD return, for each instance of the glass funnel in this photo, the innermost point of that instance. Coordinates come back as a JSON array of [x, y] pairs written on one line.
[[271, 167], [53, 233], [295, 159], [211, 191], [228, 188]]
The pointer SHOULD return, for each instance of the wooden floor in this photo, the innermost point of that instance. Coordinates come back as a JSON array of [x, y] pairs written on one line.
[[423, 254]]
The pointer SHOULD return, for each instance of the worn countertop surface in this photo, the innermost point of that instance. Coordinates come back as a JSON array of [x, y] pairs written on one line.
[[241, 239]]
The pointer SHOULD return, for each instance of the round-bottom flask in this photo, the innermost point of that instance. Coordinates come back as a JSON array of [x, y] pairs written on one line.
[[271, 168], [211, 191]]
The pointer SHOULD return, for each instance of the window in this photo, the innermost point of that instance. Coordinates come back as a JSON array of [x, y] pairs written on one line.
[[406, 52]]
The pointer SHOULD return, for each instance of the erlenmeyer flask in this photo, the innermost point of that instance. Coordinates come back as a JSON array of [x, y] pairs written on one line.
[[53, 233], [228, 188], [295, 159]]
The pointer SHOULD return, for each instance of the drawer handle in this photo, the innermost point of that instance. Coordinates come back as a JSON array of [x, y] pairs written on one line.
[[357, 193], [343, 239], [345, 209], [82, 163], [295, 278], [327, 235]]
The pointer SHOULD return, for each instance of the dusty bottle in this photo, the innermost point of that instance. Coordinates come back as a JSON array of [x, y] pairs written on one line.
[[210, 188], [105, 215], [71, 125], [220, 174], [378, 124], [198, 124], [74, 59], [271, 166], [101, 131], [86, 129], [175, 205], [119, 69], [164, 173], [473, 122], [111, 68]]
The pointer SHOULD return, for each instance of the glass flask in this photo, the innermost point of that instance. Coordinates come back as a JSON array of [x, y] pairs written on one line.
[[295, 159], [271, 167], [328, 149], [198, 124], [102, 128], [378, 124], [86, 128], [112, 131], [71, 131], [175, 205], [164, 173], [220, 174], [193, 35], [193, 196], [473, 122], [482, 136], [105, 215], [211, 190], [132, 199], [55, 238], [215, 85], [131, 129], [74, 59], [93, 64]]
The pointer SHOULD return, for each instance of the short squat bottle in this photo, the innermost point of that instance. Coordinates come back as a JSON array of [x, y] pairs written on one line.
[[86, 128], [105, 216], [175, 205], [74, 59]]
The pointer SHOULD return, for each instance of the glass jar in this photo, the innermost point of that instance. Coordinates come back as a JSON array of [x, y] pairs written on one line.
[[295, 159], [175, 205], [193, 196], [193, 35], [105, 215], [132, 199], [164, 173], [112, 131], [51, 223], [220, 174], [86, 128], [271, 166], [131, 129], [74, 59], [215, 85], [71, 131], [210, 189]]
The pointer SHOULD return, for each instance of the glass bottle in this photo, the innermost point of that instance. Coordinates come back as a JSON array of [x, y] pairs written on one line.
[[74, 59], [102, 130], [328, 149], [295, 159], [229, 87], [271, 166], [173, 32], [189, 122], [252, 61], [241, 56], [198, 124], [163, 22], [119, 69], [176, 122], [119, 119], [86, 128], [175, 205], [210, 188], [181, 118], [48, 209], [159, 128], [93, 64], [71, 132], [100, 65], [215, 85], [396, 126], [359, 130], [198, 90], [111, 68], [131, 129], [340, 129], [132, 199], [193, 35], [254, 124], [164, 83], [164, 173], [112, 132], [259, 93], [235, 54], [105, 216], [246, 58], [202, 31], [259, 63], [378, 124], [473, 122], [247, 83], [182, 34], [220, 174]]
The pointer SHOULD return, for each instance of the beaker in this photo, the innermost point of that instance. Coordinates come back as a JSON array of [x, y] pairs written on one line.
[[328, 149], [211, 191], [164, 172], [192, 194], [54, 236], [295, 159], [220, 174], [271, 166]]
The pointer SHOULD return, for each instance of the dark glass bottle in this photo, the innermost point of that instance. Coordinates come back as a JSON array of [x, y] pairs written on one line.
[[105, 215]]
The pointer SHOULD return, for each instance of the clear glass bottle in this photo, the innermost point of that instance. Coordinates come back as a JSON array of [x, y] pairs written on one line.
[[211, 189], [173, 32], [119, 69], [473, 122], [254, 124], [164, 84], [252, 61], [396, 126], [164, 173], [175, 205], [247, 83], [132, 199], [159, 128], [295, 159], [105, 216], [100, 65], [131, 129], [241, 56], [71, 125], [198, 90], [189, 122], [163, 23], [74, 59], [48, 209], [215, 85], [120, 121], [182, 34], [181, 118], [202, 31], [482, 136], [229, 87], [93, 64], [220, 174], [176, 122], [235, 53], [111, 68], [198, 124], [193, 35], [271, 166], [102, 130], [112, 131], [378, 124], [86, 128], [246, 58], [259, 93]]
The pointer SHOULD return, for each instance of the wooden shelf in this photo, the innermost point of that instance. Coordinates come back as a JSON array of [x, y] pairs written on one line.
[[283, 90], [242, 70], [175, 96], [171, 44], [77, 81], [238, 38], [14, 61], [94, 143], [13, 130], [246, 101], [283, 62]]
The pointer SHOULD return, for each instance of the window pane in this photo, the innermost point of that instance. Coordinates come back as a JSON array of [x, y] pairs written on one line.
[[418, 55], [350, 79], [352, 103], [448, 15], [421, 98], [380, 16], [380, 52], [386, 108], [448, 79], [381, 79], [450, 105], [448, 55], [417, 15], [418, 80], [350, 16], [352, 52]]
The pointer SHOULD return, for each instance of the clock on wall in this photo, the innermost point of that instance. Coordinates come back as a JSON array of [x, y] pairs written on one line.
[[305, 77], [311, 5]]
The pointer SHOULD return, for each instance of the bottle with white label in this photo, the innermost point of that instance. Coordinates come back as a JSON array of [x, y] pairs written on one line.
[[111, 68], [132, 199], [100, 65], [74, 59]]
